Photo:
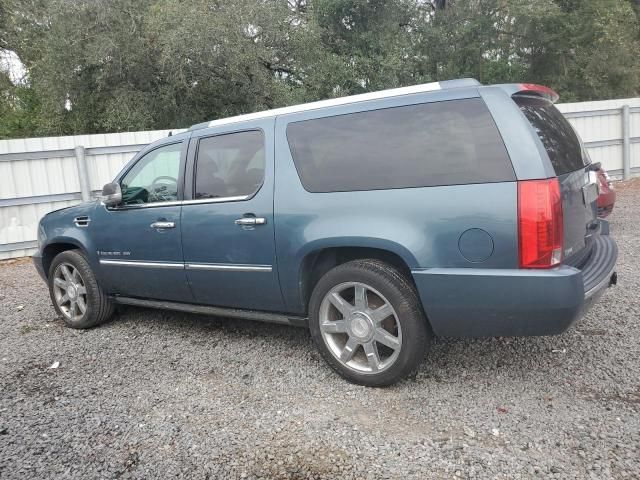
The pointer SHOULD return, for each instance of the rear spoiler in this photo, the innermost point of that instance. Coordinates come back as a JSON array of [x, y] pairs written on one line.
[[530, 89]]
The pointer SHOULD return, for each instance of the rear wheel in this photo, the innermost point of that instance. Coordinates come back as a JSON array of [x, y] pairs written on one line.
[[75, 293], [367, 320]]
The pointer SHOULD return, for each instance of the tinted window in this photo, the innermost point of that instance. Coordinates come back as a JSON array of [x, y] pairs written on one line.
[[154, 178], [555, 132], [443, 143], [230, 165]]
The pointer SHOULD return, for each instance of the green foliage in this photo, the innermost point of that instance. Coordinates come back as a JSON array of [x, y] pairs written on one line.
[[147, 64], [19, 106]]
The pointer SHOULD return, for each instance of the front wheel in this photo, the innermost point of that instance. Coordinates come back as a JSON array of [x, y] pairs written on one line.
[[367, 320], [75, 293]]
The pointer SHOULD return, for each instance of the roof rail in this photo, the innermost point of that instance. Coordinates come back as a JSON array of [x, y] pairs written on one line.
[[460, 83], [331, 102]]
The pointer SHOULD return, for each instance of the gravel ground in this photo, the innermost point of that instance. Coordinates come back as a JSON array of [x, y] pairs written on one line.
[[157, 395]]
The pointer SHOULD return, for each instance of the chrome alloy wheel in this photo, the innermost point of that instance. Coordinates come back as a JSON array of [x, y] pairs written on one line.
[[360, 327], [69, 291]]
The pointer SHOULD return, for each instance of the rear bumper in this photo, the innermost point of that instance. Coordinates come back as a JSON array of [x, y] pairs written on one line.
[[600, 271], [463, 302]]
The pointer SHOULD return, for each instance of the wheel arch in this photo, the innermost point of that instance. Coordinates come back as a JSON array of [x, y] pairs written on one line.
[[54, 248], [319, 261]]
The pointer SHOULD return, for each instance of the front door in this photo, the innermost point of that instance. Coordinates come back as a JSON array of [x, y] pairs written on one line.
[[227, 223], [139, 243]]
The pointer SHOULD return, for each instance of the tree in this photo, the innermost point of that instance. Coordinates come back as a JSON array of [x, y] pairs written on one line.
[[584, 49], [369, 43], [96, 65], [225, 58]]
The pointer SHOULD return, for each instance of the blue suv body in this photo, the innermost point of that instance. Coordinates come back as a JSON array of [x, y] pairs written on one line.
[[451, 208]]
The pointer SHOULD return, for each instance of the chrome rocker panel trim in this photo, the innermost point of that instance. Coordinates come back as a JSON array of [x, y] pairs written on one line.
[[220, 267], [228, 267], [135, 263]]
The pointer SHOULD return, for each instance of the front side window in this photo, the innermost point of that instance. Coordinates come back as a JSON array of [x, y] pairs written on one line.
[[154, 178], [442, 143], [230, 165]]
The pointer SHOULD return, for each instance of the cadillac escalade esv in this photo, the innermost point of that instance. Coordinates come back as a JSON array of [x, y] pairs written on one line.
[[377, 220]]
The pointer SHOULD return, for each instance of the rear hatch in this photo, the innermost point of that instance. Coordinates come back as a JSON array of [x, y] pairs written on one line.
[[577, 177]]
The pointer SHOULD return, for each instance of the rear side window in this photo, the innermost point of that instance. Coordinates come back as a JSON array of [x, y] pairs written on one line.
[[555, 133], [230, 165], [443, 143]]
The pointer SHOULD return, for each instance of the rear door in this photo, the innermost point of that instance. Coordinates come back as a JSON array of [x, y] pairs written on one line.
[[578, 182], [227, 223]]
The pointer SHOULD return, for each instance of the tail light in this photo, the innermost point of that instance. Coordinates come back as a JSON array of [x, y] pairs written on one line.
[[540, 224], [604, 182]]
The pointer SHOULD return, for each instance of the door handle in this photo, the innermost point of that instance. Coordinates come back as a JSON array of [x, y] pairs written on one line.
[[163, 225], [251, 221]]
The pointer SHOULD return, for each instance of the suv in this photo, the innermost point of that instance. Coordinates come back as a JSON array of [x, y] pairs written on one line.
[[378, 220]]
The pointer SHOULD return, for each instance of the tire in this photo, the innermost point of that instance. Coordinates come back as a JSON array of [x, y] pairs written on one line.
[[70, 274], [357, 333]]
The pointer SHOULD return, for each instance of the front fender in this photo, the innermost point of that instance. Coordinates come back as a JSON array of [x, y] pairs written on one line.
[[80, 241], [59, 228]]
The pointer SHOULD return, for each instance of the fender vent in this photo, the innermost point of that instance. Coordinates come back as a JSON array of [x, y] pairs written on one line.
[[82, 221]]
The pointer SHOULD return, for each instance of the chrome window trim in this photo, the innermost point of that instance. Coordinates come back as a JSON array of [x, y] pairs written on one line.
[[238, 198], [180, 203], [235, 267], [135, 263], [176, 203]]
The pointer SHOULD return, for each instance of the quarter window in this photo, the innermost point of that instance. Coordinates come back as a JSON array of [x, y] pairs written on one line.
[[230, 165], [441, 143], [154, 178], [555, 133]]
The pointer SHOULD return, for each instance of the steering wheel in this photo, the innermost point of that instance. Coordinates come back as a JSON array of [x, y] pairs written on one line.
[[159, 189]]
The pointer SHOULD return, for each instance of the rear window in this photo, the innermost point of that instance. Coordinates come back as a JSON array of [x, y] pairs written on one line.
[[555, 132], [443, 143]]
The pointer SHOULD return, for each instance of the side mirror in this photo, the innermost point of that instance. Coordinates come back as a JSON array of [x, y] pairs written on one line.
[[111, 194]]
